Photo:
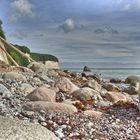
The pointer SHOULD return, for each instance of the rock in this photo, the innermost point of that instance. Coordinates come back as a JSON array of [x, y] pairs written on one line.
[[111, 87], [86, 68], [4, 92], [87, 94], [14, 76], [52, 73], [50, 107], [65, 85], [42, 93], [90, 75], [52, 65], [36, 80], [97, 77], [132, 79], [25, 69], [46, 79], [14, 129], [26, 88], [104, 103], [92, 113], [38, 68], [94, 85], [103, 92], [133, 89], [115, 80], [62, 73], [71, 102], [118, 98]]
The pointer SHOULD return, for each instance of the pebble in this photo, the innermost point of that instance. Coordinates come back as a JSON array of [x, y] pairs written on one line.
[[117, 122]]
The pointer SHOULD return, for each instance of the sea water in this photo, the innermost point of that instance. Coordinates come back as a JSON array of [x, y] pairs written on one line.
[[108, 73]]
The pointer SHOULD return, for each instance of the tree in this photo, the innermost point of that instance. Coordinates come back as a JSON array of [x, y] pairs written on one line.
[[2, 34]]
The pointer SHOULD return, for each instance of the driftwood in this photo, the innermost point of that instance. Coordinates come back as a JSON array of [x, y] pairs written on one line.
[[9, 56], [6, 44]]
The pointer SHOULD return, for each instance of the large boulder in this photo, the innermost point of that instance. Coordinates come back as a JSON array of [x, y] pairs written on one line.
[[65, 85], [132, 79], [14, 129], [94, 85], [42, 93], [87, 94], [118, 98], [14, 76], [50, 107]]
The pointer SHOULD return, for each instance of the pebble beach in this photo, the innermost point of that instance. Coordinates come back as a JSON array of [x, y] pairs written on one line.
[[72, 106]]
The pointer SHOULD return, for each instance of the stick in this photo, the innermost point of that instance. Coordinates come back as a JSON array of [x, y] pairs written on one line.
[[17, 50], [11, 59]]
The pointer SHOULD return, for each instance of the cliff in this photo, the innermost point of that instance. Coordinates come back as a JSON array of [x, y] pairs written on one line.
[[36, 56]]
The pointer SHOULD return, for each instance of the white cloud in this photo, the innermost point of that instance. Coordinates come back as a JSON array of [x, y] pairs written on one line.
[[126, 7], [21, 8], [133, 5], [68, 25]]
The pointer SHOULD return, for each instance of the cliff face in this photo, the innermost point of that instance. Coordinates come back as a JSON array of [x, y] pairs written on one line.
[[3, 56]]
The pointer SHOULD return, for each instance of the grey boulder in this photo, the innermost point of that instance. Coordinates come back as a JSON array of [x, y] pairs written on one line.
[[14, 129]]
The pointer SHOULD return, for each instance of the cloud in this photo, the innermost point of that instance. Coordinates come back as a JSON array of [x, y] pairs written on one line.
[[68, 25], [126, 7], [114, 53], [21, 8], [133, 5]]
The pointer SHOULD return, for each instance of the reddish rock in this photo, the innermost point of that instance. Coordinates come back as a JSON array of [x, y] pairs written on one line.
[[118, 98], [50, 107], [92, 113], [42, 93], [65, 85]]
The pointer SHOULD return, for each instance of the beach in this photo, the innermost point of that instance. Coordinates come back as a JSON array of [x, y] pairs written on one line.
[[74, 106]]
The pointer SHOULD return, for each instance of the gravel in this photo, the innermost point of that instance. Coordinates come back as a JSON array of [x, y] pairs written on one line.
[[117, 122]]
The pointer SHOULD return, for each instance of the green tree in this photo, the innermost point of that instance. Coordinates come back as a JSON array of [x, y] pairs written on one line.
[[2, 34]]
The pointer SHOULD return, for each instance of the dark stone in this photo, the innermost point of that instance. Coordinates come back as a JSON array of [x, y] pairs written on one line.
[[86, 69]]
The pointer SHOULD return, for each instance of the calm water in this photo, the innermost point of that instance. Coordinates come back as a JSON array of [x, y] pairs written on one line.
[[112, 73]]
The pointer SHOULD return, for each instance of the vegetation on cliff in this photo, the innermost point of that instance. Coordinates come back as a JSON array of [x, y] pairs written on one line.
[[24, 62]]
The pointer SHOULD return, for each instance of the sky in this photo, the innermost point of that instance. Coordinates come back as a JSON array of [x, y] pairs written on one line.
[[96, 33]]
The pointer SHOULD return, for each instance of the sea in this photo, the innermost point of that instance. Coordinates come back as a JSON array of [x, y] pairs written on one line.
[[108, 73]]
